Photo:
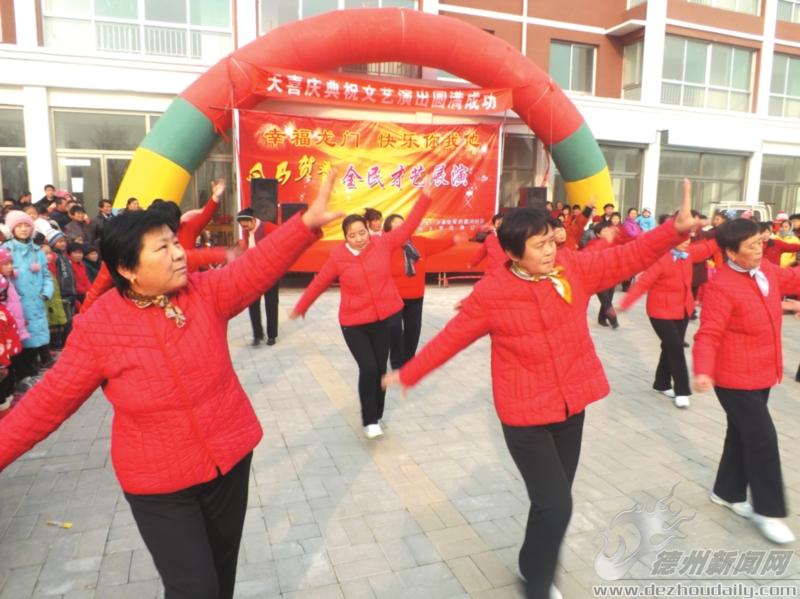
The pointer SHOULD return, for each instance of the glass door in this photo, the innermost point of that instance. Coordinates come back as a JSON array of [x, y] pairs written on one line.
[[115, 167], [82, 176]]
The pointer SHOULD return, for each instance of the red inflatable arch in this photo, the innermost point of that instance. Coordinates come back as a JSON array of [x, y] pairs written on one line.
[[182, 137]]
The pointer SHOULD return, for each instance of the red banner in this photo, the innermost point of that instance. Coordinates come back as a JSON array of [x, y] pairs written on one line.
[[379, 165], [341, 90]]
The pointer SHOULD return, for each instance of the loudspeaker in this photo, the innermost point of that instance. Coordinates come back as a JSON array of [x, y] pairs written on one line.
[[532, 197], [264, 199], [290, 209]]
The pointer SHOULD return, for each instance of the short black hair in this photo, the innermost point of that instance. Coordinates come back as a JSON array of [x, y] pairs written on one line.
[[353, 218], [764, 227], [603, 224], [122, 241], [49, 186], [73, 246], [373, 214], [794, 216], [576, 206], [76, 208], [387, 224], [520, 224], [496, 217], [41, 207], [616, 214], [732, 233], [170, 209], [131, 201], [632, 210], [103, 202], [608, 206], [662, 218], [722, 214]]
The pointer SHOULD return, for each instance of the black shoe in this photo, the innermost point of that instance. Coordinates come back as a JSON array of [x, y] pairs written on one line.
[[271, 341], [602, 323], [256, 342], [615, 324], [686, 344]]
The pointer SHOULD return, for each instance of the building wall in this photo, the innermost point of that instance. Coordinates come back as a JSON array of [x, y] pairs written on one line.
[[41, 80]]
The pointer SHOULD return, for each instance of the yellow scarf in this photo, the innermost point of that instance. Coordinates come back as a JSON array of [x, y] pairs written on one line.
[[171, 311], [556, 277]]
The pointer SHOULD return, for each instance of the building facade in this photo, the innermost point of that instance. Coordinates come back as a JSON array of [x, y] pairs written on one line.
[[705, 89]]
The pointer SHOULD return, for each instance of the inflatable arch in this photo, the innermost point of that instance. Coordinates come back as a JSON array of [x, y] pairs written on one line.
[[163, 164]]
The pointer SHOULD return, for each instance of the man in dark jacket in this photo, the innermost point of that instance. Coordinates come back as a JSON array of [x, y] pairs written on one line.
[[253, 231]]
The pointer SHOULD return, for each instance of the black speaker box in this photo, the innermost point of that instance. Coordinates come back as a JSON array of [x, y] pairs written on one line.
[[289, 209], [264, 199]]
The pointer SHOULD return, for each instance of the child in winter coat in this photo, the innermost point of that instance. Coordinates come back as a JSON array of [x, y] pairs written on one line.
[[82, 282], [646, 220], [10, 345], [91, 260], [56, 317], [33, 284], [66, 283]]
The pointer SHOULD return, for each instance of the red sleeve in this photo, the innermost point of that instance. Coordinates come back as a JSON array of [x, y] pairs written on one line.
[[789, 280], [605, 268], [785, 246], [189, 230], [714, 318], [643, 283], [102, 283], [700, 251], [235, 286], [470, 324], [319, 283], [480, 254], [204, 257], [402, 233], [51, 401]]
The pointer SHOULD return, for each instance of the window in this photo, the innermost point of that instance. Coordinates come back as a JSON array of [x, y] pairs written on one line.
[[197, 29], [784, 99], [98, 131], [632, 3], [703, 74], [632, 71], [780, 183], [746, 6], [13, 163], [625, 168], [519, 153], [789, 10], [715, 178], [572, 66]]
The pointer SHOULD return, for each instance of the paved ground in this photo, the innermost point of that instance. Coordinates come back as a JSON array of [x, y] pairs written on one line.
[[434, 509]]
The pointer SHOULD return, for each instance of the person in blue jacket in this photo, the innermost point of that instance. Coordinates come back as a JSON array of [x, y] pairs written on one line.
[[34, 287]]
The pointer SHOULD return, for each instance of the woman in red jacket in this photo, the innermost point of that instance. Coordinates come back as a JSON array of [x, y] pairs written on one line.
[[545, 370], [670, 303], [369, 298], [408, 274], [737, 353], [183, 430]]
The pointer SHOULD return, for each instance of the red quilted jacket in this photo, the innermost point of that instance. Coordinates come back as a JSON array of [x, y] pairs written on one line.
[[738, 343], [668, 284], [368, 293], [492, 250], [414, 287], [180, 414], [544, 365]]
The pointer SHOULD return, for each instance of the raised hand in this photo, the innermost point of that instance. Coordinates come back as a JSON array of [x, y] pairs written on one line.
[[217, 189], [318, 214], [684, 221]]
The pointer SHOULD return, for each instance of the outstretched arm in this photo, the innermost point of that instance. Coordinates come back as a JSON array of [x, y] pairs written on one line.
[[192, 227], [325, 277], [643, 284], [50, 402]]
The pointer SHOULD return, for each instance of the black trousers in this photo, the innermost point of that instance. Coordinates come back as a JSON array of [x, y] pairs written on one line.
[[672, 368], [750, 455], [25, 363], [194, 534], [404, 329], [547, 457], [7, 383], [271, 309], [607, 312], [369, 344]]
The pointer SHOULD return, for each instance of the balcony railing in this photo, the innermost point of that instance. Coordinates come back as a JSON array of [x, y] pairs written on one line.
[[385, 69]]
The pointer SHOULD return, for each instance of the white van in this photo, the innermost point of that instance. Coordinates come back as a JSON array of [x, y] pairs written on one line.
[[761, 212]]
